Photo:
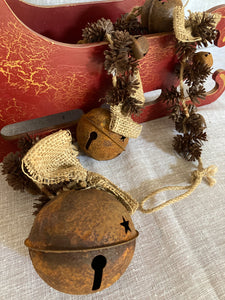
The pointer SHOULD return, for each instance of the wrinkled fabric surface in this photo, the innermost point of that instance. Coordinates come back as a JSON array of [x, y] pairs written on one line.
[[180, 251]]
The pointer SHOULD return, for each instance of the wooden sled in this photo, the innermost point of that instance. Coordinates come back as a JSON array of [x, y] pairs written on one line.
[[44, 72]]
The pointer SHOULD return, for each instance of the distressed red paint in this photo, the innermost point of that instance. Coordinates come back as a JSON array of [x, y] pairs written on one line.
[[43, 73]]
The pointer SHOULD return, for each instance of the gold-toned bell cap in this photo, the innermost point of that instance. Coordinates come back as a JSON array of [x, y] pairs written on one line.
[[203, 57]]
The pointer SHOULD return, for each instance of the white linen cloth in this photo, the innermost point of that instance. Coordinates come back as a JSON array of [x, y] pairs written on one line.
[[180, 252]]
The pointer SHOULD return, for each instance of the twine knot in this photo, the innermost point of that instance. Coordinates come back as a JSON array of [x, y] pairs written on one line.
[[206, 173]]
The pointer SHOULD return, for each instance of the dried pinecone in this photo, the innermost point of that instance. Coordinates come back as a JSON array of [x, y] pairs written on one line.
[[125, 88], [15, 176], [185, 50], [195, 92], [203, 25], [122, 41], [129, 23], [119, 63], [170, 96], [95, 32], [38, 206], [194, 124], [11, 163], [189, 145], [26, 143], [197, 73], [131, 106]]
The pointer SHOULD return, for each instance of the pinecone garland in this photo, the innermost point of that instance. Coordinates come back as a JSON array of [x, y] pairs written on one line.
[[25, 143], [124, 89], [118, 59], [196, 92], [11, 163], [185, 50]]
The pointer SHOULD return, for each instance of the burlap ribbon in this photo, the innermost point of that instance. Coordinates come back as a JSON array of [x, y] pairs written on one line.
[[182, 27], [54, 160], [123, 124]]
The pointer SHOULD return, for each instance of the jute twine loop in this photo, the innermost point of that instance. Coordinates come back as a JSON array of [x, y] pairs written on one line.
[[196, 178]]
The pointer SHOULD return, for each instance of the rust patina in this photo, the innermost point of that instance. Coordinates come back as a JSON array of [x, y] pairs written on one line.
[[95, 138], [82, 241]]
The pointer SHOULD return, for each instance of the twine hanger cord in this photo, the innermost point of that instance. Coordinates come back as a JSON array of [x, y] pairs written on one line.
[[196, 176]]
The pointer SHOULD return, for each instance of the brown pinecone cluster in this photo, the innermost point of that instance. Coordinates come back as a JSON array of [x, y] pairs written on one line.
[[203, 25], [19, 181], [120, 62], [95, 32], [188, 143], [119, 59], [13, 171], [129, 23], [191, 125]]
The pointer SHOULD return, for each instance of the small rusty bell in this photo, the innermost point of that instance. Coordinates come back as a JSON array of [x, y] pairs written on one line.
[[203, 57], [140, 47], [82, 241], [95, 138], [157, 15]]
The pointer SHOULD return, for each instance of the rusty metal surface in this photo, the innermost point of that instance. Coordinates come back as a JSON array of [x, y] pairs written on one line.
[[157, 15], [140, 47], [75, 223], [95, 138], [203, 57]]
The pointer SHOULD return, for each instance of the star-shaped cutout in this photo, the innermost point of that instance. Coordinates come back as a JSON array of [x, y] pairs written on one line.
[[126, 225]]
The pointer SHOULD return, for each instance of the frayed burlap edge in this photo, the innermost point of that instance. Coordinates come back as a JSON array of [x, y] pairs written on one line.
[[182, 33], [53, 160], [123, 124]]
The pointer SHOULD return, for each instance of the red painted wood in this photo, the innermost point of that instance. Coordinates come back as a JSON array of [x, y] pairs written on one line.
[[65, 22], [220, 9], [40, 76]]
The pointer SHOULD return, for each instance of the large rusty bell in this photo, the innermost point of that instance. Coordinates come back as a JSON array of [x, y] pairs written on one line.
[[157, 15], [82, 241], [95, 138]]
